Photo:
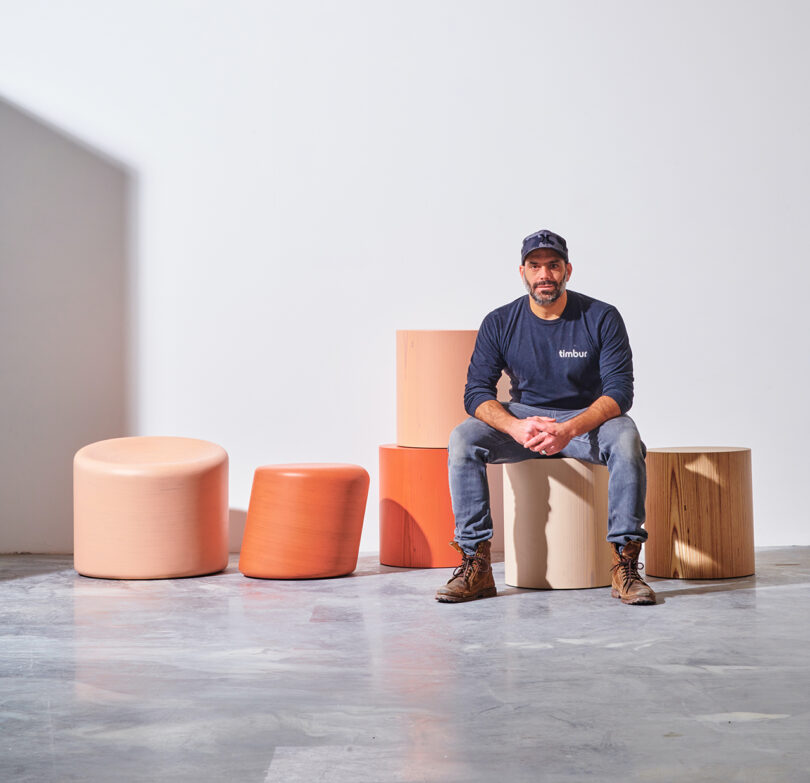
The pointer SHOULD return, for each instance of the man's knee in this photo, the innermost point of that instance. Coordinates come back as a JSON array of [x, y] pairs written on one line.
[[467, 439], [622, 440]]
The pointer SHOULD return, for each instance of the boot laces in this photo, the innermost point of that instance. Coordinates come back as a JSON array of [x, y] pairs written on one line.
[[470, 566], [629, 570]]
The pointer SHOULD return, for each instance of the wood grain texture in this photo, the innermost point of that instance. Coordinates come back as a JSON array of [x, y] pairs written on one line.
[[700, 517], [304, 521], [416, 518], [555, 523], [431, 374], [150, 508], [495, 482]]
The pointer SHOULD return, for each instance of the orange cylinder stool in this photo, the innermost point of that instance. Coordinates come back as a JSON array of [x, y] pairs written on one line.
[[700, 515], [416, 518], [304, 521], [431, 374], [150, 508]]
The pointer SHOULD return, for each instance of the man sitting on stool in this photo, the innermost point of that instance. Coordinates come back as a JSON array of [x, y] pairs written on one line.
[[571, 368]]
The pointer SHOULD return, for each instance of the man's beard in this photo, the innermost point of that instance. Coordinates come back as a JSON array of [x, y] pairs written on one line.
[[545, 298]]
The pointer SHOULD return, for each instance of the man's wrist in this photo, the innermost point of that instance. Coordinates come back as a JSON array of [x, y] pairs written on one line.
[[509, 426], [569, 429], [491, 412]]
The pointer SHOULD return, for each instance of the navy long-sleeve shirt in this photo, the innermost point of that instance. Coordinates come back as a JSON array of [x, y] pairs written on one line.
[[565, 363]]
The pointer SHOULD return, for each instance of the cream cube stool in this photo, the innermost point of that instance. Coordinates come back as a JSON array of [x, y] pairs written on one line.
[[555, 523], [150, 508]]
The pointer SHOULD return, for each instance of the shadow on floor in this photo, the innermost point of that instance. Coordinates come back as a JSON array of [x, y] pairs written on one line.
[[748, 583], [21, 566], [369, 565], [768, 574]]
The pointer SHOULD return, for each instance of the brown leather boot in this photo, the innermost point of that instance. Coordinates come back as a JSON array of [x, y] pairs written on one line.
[[472, 579], [627, 583]]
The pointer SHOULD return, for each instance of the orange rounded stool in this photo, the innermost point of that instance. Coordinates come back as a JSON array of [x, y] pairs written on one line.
[[150, 508], [304, 521], [416, 518]]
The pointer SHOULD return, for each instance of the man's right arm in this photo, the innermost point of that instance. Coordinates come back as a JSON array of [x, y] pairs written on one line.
[[486, 365]]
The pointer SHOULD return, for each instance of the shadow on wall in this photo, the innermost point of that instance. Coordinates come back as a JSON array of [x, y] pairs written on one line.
[[65, 293]]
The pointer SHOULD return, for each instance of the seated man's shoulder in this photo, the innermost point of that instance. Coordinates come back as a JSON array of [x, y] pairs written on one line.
[[590, 305], [507, 311]]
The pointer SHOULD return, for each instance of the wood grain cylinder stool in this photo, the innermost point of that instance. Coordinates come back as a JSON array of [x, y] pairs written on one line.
[[416, 518], [150, 508], [700, 516], [555, 523], [304, 521]]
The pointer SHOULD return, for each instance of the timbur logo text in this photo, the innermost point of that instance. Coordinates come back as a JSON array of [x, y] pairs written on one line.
[[573, 354]]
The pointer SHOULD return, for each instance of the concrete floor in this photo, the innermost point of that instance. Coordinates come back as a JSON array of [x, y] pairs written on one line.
[[368, 679]]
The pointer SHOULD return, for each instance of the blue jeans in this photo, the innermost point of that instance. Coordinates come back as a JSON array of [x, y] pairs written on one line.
[[616, 443]]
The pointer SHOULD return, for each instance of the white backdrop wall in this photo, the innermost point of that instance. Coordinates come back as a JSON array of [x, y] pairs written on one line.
[[315, 175], [64, 290]]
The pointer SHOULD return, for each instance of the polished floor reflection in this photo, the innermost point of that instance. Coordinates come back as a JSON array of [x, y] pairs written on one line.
[[367, 679]]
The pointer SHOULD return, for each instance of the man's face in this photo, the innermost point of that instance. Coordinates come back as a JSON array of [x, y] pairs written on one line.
[[545, 274]]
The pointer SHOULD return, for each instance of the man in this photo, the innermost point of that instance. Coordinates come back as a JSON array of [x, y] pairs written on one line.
[[569, 361]]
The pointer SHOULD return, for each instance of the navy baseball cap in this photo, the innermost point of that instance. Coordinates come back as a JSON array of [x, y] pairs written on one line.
[[544, 238]]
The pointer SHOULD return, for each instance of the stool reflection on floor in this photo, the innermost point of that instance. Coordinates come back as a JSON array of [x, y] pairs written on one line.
[[304, 521]]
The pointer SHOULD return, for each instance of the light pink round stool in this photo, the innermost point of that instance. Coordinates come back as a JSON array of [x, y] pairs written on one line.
[[150, 508]]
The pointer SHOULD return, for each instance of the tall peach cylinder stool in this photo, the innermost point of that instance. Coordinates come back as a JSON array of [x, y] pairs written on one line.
[[150, 508], [431, 374], [555, 523], [304, 521], [700, 516], [416, 518]]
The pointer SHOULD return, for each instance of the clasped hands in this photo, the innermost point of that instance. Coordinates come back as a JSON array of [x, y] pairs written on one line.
[[541, 434]]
